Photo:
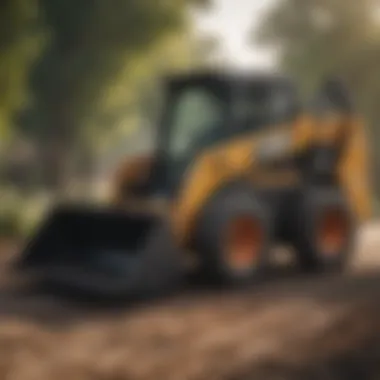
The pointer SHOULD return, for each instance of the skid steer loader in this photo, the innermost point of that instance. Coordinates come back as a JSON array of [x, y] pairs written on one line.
[[240, 164]]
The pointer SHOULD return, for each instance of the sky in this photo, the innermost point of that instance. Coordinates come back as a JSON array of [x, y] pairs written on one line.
[[231, 21]]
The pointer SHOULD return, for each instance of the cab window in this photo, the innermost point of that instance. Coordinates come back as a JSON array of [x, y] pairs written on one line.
[[197, 115]]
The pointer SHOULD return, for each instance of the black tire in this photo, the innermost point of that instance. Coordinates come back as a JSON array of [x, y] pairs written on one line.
[[313, 205], [235, 202]]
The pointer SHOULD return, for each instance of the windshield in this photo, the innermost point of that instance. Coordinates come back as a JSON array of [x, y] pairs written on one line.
[[196, 117]]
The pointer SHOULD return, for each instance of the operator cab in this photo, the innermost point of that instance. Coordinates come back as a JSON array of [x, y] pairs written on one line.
[[204, 109]]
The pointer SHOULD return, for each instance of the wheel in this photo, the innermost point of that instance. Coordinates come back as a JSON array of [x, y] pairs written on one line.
[[234, 237], [325, 230]]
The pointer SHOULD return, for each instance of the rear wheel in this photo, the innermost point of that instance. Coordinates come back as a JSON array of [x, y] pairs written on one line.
[[234, 237], [325, 234]]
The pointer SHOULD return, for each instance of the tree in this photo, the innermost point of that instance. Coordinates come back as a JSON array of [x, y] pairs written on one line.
[[92, 44], [318, 37], [20, 42]]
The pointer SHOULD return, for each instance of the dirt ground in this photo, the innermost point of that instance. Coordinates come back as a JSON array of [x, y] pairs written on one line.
[[288, 328]]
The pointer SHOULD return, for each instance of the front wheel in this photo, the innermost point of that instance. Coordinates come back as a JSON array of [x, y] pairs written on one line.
[[234, 237], [325, 231]]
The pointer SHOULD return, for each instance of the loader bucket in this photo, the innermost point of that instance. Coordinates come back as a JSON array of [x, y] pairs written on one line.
[[104, 252]]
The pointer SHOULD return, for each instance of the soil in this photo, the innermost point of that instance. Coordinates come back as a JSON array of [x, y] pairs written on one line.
[[294, 327]]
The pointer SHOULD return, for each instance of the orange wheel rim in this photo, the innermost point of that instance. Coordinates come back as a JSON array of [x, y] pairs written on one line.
[[333, 232], [244, 242]]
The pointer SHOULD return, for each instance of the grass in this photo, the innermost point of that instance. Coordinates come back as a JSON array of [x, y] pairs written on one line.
[[19, 214]]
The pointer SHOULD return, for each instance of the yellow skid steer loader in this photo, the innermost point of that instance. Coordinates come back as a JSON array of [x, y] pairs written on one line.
[[240, 164]]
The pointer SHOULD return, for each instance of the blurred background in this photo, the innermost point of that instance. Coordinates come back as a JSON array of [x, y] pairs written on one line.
[[79, 79]]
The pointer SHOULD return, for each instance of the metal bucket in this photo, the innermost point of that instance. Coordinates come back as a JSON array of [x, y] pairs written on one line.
[[102, 251]]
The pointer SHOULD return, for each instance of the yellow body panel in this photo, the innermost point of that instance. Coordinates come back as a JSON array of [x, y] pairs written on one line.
[[234, 160], [209, 172], [239, 158], [354, 172]]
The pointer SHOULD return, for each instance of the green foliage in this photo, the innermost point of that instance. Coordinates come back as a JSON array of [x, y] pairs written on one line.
[[75, 77], [20, 42], [19, 215], [319, 37], [92, 43], [101, 59], [10, 225]]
